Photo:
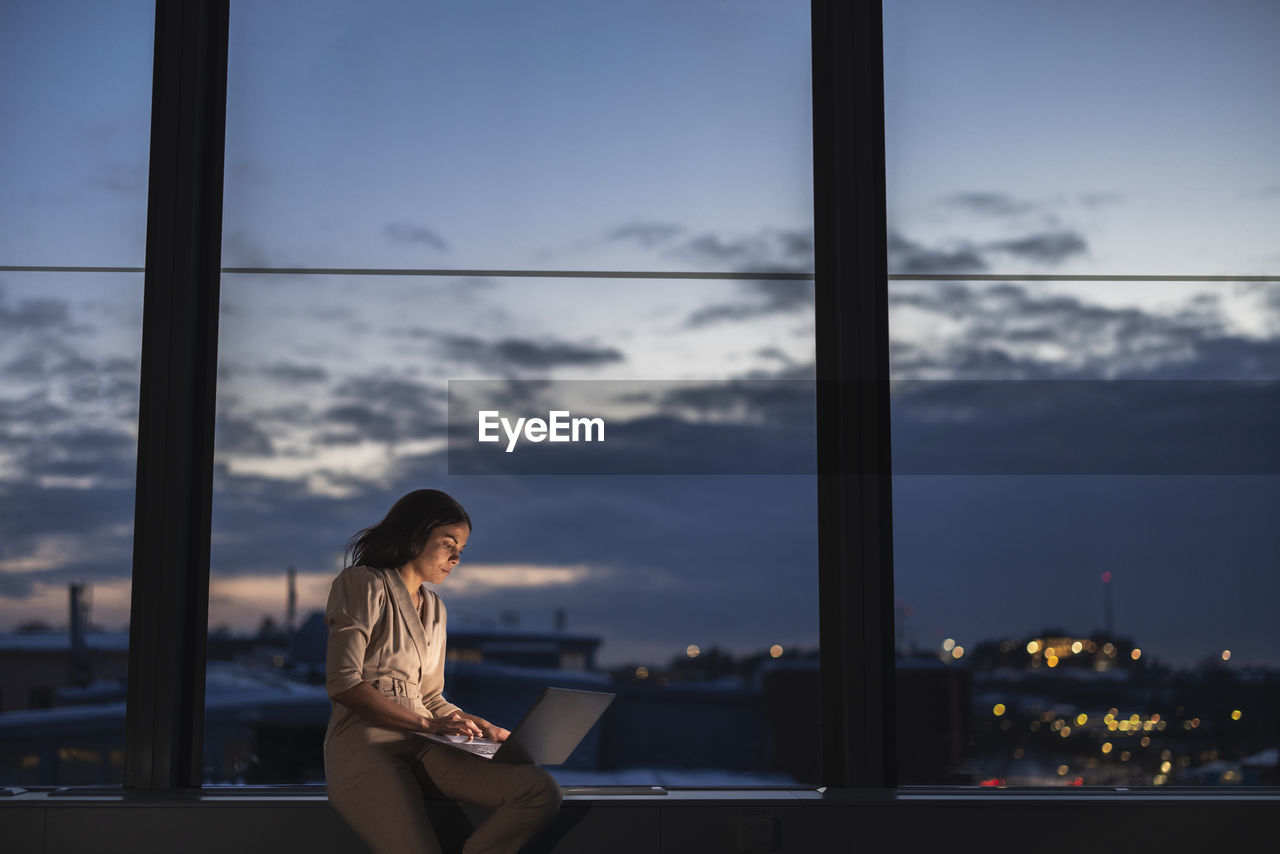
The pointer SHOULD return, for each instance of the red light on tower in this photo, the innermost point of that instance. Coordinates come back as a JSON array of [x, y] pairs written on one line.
[[1106, 577]]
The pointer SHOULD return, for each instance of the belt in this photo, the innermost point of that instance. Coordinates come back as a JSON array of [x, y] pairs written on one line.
[[392, 686]]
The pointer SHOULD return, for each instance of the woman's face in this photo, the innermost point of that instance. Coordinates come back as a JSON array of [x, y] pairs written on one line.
[[442, 552]]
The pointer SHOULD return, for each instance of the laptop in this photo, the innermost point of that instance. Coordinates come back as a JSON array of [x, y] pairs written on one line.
[[552, 728]]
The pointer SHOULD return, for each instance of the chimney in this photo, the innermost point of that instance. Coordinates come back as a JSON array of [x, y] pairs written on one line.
[[79, 595], [291, 607]]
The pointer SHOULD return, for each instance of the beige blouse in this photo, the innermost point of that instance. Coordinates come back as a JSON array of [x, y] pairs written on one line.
[[376, 636]]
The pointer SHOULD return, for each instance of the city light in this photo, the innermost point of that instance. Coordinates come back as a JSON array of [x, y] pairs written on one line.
[[1136, 654], [1106, 747], [776, 651], [1082, 719], [957, 652], [1062, 770], [1033, 647], [949, 644], [642, 672], [1226, 655], [692, 650], [998, 709], [1236, 714], [1077, 647]]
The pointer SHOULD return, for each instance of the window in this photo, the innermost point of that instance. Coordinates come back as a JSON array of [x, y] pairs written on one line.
[[292, 244], [73, 189], [556, 198], [1083, 321]]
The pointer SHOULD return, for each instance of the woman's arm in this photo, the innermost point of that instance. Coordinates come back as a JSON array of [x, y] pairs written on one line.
[[369, 703]]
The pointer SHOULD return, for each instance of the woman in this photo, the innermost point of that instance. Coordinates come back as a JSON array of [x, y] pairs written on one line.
[[385, 674]]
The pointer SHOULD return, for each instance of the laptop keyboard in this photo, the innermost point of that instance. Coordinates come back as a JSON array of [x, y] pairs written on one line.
[[484, 748], [480, 746]]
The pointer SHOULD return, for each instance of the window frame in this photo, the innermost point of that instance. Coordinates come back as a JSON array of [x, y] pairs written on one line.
[[170, 594]]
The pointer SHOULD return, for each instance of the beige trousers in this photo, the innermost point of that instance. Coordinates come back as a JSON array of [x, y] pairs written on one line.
[[383, 783]]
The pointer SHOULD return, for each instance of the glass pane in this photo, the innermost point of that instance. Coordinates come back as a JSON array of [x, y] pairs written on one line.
[[333, 397], [77, 118], [501, 134], [73, 189], [1063, 623], [1085, 138], [69, 352]]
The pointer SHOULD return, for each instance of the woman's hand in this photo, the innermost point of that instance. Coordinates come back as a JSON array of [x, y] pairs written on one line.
[[453, 724], [494, 732]]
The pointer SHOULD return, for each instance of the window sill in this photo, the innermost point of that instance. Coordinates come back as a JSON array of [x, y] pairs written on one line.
[[649, 794]]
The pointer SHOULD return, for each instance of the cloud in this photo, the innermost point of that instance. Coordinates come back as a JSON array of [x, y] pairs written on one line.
[[380, 409], [1044, 248], [765, 298], [40, 313], [1025, 231], [51, 533], [989, 204], [1049, 248], [1103, 389], [406, 232], [769, 251], [1091, 427], [1007, 330], [514, 353], [764, 400], [907, 256], [292, 373], [647, 235], [367, 422], [235, 435], [393, 391], [773, 353]]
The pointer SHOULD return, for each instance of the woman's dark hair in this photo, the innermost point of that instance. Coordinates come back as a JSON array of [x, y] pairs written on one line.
[[401, 536]]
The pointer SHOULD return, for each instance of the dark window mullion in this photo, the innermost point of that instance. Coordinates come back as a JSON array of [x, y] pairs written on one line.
[[170, 598], [855, 536]]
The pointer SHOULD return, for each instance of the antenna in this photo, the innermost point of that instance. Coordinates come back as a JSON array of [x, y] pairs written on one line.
[[1107, 621]]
